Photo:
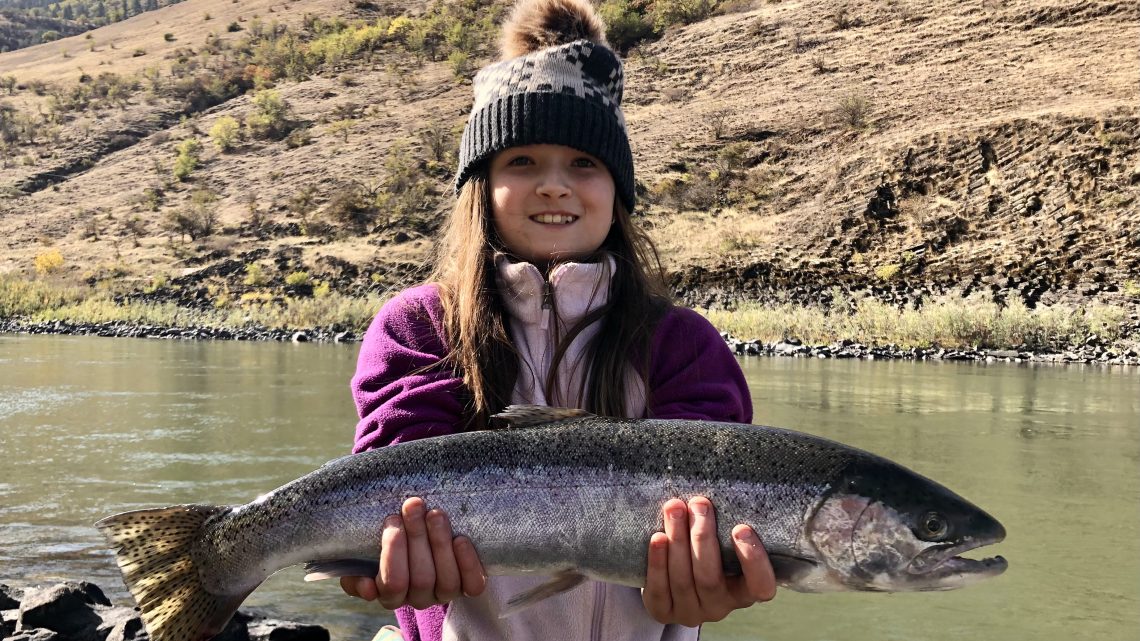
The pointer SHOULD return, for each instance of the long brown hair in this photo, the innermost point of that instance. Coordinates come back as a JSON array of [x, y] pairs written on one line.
[[477, 324]]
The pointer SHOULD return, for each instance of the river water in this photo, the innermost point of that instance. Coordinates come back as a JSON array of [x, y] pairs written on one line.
[[92, 426]]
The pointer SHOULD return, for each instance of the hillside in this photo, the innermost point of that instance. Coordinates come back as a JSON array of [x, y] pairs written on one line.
[[782, 148]]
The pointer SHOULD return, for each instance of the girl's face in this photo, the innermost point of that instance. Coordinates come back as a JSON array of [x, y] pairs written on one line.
[[551, 202]]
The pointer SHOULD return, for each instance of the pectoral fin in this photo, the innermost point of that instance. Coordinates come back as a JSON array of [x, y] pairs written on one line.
[[790, 569], [321, 570], [563, 581]]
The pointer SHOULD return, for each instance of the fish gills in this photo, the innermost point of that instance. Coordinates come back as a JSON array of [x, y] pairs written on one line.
[[154, 551]]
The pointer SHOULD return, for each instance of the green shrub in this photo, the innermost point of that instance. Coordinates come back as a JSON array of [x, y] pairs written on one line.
[[667, 13], [187, 160], [225, 133], [297, 279], [887, 272], [254, 275], [270, 118], [625, 25]]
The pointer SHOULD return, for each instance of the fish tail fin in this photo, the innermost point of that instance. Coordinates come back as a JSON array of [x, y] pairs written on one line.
[[153, 550]]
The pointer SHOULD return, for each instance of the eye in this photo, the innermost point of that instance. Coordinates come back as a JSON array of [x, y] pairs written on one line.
[[584, 162], [934, 526], [519, 161]]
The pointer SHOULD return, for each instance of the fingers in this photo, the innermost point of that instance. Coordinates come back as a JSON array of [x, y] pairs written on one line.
[[759, 580], [359, 586], [708, 573], [392, 582], [472, 579], [682, 591], [655, 595], [447, 579], [421, 564]]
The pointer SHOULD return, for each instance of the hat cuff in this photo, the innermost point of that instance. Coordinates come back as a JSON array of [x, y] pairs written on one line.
[[535, 118]]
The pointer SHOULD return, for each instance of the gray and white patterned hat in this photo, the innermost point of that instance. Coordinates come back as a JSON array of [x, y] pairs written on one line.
[[568, 94]]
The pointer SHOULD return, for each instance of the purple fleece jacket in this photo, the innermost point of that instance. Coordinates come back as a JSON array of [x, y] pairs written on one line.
[[403, 391]]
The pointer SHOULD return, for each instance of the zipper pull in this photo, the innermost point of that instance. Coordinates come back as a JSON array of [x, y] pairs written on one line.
[[547, 295], [547, 304]]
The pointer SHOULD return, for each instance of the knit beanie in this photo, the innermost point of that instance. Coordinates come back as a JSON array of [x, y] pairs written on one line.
[[557, 83]]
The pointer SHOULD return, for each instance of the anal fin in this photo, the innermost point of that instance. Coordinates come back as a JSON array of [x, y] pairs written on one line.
[[562, 581], [321, 570]]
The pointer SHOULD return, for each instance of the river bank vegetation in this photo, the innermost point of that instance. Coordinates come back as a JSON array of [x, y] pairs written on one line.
[[950, 322]]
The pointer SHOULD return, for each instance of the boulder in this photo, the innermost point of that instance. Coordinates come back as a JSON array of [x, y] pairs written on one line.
[[66, 608], [274, 630], [10, 597], [35, 634], [118, 623], [8, 619]]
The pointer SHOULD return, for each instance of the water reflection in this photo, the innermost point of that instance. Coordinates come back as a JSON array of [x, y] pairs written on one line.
[[94, 426]]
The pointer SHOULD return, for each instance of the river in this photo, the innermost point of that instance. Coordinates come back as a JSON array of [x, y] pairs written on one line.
[[92, 426]]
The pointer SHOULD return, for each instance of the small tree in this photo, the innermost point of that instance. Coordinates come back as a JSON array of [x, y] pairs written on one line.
[[270, 119], [225, 133], [187, 160]]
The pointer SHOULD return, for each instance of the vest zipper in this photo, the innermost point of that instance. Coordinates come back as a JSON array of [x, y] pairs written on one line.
[[547, 304], [599, 609]]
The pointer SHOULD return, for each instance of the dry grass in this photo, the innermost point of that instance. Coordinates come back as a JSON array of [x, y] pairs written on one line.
[[947, 322], [45, 301]]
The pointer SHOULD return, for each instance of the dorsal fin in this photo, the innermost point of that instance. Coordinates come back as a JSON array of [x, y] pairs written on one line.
[[517, 416]]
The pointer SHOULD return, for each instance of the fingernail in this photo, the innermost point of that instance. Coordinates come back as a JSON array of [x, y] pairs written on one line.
[[745, 535], [676, 513], [435, 518], [416, 510], [699, 507]]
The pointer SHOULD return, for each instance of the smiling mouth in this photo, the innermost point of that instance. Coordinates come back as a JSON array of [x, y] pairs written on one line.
[[554, 219]]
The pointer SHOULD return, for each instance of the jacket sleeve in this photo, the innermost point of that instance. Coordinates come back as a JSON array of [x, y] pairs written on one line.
[[693, 374], [402, 388]]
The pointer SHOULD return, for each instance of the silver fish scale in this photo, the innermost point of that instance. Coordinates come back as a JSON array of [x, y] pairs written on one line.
[[582, 493]]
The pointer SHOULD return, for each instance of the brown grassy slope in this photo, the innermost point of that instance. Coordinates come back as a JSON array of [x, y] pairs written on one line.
[[1000, 150], [113, 47]]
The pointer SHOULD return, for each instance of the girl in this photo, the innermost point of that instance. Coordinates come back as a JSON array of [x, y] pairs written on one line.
[[545, 292]]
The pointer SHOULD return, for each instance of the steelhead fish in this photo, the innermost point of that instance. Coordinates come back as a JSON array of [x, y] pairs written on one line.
[[566, 493]]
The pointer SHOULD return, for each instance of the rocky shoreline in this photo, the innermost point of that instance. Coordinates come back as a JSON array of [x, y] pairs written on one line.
[[79, 611], [1091, 351]]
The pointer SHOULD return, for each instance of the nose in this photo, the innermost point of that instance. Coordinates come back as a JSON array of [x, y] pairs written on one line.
[[553, 184]]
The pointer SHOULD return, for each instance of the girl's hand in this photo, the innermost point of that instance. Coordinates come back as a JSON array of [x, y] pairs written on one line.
[[685, 582], [421, 562]]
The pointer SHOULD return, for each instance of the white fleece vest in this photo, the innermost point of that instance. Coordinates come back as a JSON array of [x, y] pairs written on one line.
[[594, 610]]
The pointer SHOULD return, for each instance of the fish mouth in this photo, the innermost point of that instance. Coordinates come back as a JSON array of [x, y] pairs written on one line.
[[943, 564]]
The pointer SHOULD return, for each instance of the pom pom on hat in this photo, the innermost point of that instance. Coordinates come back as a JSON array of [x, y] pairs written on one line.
[[538, 24]]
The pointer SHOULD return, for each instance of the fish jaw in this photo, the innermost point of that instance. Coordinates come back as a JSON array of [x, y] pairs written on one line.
[[873, 541]]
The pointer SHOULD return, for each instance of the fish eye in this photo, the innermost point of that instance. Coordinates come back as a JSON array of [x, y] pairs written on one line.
[[934, 526]]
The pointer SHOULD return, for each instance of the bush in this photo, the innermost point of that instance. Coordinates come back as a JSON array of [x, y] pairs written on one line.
[[187, 160], [225, 133], [667, 13], [197, 220], [460, 64], [625, 25], [887, 272], [270, 119], [48, 262], [254, 275], [853, 110], [297, 279]]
